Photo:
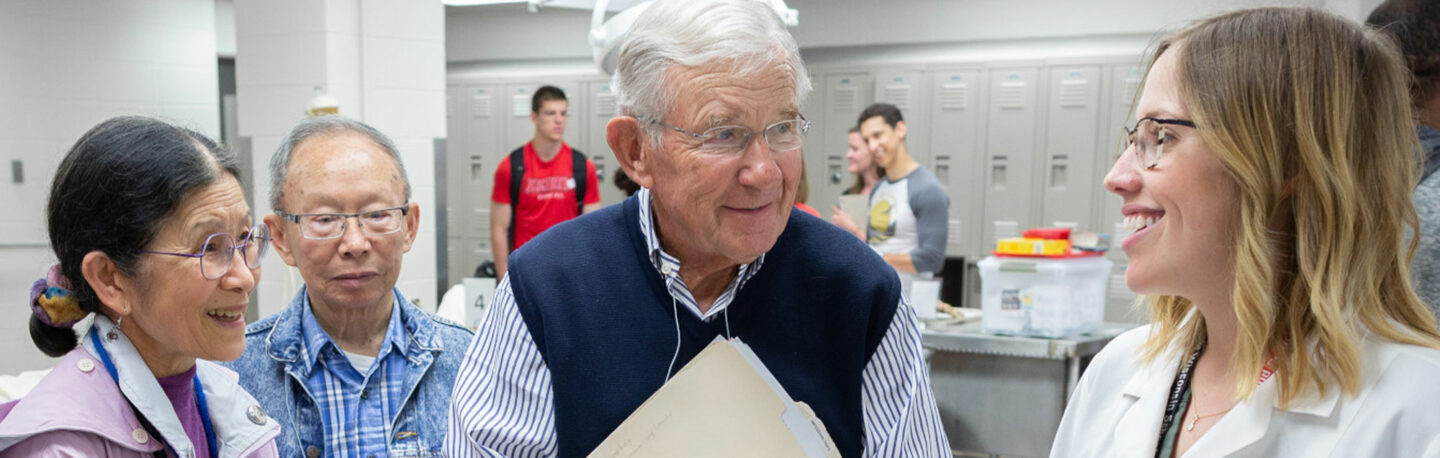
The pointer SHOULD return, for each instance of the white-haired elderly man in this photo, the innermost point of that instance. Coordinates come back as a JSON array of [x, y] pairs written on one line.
[[587, 324]]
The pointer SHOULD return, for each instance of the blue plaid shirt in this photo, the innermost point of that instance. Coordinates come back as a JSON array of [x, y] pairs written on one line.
[[357, 407]]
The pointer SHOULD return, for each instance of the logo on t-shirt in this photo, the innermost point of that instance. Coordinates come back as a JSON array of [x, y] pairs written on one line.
[[882, 226], [546, 188]]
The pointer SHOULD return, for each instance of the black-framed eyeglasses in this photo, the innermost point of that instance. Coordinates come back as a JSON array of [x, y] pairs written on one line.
[[728, 140], [327, 226], [1150, 138], [218, 252]]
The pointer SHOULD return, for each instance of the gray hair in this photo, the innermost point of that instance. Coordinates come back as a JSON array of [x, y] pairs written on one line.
[[325, 126], [692, 33]]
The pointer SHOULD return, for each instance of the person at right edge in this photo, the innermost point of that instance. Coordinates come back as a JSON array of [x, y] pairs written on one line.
[[1415, 26], [1266, 183], [908, 206]]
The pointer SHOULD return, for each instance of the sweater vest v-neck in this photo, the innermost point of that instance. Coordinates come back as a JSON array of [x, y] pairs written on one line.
[[604, 323]]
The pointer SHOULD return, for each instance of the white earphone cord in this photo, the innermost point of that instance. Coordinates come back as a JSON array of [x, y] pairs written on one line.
[[675, 309]]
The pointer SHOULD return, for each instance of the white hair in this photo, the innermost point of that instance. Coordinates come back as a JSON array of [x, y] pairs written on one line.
[[747, 34]]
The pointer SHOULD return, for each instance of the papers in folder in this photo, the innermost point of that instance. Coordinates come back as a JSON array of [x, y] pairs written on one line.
[[723, 403]]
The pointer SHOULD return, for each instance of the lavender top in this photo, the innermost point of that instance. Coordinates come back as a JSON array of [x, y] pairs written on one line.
[[180, 388]]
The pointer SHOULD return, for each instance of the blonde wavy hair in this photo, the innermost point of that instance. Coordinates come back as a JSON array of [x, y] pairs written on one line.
[[1310, 116]]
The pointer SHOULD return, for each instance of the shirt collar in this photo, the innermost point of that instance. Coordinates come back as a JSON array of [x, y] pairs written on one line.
[[669, 266], [1429, 137], [316, 339], [1429, 148]]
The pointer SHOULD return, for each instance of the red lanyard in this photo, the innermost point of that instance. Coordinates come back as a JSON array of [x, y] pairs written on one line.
[[1267, 370]]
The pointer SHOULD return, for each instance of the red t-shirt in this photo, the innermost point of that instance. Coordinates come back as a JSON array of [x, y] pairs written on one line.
[[807, 209], [547, 197]]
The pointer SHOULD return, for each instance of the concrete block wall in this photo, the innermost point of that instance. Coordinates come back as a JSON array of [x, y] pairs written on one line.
[[384, 61], [64, 67]]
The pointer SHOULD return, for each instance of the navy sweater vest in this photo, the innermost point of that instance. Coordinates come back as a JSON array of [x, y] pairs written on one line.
[[602, 319]]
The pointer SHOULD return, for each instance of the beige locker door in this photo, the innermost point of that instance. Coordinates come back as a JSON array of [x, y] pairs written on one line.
[[600, 108], [1068, 173], [845, 94], [472, 172], [1010, 136], [1123, 90], [955, 147]]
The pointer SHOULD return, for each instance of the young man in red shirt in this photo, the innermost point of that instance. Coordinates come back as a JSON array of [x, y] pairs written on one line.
[[546, 194]]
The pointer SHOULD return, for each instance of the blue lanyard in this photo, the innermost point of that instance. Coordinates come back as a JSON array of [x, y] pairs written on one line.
[[199, 395]]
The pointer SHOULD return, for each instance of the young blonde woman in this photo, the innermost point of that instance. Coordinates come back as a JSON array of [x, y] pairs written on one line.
[[1267, 179]]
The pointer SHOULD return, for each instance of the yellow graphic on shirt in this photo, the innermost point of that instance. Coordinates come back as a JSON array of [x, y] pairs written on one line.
[[882, 227]]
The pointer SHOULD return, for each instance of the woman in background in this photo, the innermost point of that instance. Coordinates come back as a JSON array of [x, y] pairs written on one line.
[[1267, 183], [867, 172], [862, 164], [155, 240]]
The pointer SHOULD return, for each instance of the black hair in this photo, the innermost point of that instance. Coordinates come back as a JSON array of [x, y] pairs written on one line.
[[624, 182], [1415, 27], [545, 94], [891, 113], [113, 191]]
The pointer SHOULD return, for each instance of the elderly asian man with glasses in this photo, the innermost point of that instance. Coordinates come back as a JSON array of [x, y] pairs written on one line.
[[597, 313], [350, 367]]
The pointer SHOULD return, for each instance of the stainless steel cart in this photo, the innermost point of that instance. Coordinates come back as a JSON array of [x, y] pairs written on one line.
[[1004, 395]]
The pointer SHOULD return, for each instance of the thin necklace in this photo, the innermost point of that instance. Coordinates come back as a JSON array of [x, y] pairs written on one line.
[[1195, 416]]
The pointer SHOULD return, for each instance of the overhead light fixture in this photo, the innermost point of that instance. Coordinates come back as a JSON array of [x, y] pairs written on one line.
[[606, 36], [532, 6], [322, 104]]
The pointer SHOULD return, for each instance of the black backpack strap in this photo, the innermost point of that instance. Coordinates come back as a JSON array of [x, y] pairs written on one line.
[[517, 174], [582, 179]]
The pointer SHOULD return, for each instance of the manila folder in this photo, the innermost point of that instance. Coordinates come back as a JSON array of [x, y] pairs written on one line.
[[723, 403]]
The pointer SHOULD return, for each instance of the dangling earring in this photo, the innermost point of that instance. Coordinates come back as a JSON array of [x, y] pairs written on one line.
[[115, 331]]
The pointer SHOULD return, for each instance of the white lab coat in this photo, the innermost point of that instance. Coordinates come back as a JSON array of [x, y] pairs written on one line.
[[1116, 410]]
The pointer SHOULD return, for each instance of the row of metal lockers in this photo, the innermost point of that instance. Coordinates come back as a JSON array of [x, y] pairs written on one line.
[[1017, 144]]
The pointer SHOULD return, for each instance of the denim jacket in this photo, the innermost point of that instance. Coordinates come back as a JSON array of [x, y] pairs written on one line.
[[272, 371]]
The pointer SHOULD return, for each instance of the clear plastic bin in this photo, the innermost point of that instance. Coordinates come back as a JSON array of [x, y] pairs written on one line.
[[1043, 297]]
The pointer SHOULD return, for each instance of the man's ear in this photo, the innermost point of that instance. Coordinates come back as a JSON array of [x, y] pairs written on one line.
[[900, 129], [279, 239], [412, 225], [111, 285], [627, 139]]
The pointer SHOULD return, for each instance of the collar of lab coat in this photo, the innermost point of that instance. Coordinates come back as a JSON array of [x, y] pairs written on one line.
[[1148, 391]]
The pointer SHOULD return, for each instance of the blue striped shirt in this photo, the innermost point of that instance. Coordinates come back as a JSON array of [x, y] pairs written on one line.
[[356, 406], [502, 403]]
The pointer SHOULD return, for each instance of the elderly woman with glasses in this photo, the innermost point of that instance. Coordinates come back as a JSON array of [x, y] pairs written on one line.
[[154, 240], [1267, 186]]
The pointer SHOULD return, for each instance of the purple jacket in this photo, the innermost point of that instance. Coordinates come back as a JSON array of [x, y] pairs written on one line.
[[78, 410]]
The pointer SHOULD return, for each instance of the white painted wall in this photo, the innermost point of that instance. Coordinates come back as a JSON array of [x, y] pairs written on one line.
[[64, 67], [225, 28], [503, 40], [508, 32], [384, 62]]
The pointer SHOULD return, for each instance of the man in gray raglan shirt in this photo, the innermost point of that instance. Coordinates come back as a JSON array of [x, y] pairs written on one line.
[[908, 207], [1415, 25]]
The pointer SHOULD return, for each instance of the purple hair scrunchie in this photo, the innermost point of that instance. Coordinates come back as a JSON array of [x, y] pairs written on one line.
[[52, 302]]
